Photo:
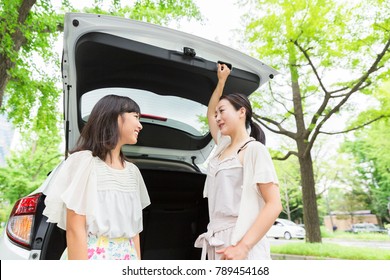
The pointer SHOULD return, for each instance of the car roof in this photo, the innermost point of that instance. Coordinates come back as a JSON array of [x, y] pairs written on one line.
[[150, 62]]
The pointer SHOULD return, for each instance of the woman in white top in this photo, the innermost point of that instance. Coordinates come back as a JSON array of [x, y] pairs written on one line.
[[96, 195], [241, 185]]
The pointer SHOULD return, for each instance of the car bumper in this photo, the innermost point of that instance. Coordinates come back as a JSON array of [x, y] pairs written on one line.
[[10, 251], [299, 235]]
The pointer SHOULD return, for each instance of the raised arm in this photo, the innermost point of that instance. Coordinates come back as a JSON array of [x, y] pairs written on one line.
[[223, 72]]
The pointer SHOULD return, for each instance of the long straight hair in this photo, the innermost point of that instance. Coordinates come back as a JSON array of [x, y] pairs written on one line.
[[239, 101], [100, 134]]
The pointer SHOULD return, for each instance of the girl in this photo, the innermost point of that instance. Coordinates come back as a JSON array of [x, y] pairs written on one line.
[[241, 185], [97, 196]]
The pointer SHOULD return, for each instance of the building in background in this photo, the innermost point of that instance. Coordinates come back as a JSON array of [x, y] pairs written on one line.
[[6, 137], [344, 220]]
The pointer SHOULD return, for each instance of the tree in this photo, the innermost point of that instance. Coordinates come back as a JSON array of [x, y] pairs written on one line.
[[160, 12], [290, 189], [371, 150], [339, 187], [30, 93], [330, 51], [28, 167], [28, 30]]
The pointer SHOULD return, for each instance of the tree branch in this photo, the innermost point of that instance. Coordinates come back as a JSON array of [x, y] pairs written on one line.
[[306, 54], [359, 89], [290, 153], [278, 125], [276, 100], [18, 40], [338, 90], [327, 96], [355, 128], [374, 67]]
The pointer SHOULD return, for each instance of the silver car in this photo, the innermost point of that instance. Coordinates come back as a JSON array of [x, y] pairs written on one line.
[[286, 229], [367, 227]]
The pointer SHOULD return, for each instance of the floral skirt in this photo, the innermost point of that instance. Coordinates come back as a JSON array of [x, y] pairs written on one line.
[[104, 248]]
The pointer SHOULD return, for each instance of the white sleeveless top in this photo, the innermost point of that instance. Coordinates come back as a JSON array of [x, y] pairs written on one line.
[[224, 187]]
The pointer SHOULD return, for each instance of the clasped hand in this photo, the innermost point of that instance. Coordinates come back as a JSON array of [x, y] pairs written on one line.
[[238, 252]]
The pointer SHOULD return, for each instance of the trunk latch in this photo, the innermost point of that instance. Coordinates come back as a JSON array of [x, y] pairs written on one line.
[[189, 52]]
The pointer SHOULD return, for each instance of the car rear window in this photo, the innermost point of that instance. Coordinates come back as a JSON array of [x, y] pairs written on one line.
[[170, 111]]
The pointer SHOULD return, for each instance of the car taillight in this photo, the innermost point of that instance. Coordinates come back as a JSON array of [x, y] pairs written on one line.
[[21, 220]]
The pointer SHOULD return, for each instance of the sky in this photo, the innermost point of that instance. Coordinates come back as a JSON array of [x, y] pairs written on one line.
[[221, 17]]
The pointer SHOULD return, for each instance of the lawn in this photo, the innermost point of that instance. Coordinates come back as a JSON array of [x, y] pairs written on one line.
[[355, 236], [332, 251], [335, 251]]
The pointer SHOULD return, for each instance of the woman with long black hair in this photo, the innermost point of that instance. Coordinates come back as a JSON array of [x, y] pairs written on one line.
[[241, 185]]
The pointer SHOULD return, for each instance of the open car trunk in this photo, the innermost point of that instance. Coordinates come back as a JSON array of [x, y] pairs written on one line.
[[150, 64], [177, 215]]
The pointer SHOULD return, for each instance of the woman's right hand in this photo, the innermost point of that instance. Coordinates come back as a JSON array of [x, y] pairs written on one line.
[[223, 72]]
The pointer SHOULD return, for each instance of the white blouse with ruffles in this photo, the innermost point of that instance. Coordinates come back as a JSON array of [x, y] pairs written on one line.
[[111, 199]]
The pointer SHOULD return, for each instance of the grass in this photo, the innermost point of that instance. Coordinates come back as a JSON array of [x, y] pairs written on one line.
[[355, 236], [335, 251]]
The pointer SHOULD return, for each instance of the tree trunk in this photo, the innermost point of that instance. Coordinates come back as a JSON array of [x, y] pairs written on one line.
[[18, 41], [288, 212], [309, 198]]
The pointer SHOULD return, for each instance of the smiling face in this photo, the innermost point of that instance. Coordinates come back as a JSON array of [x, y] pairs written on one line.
[[228, 119], [129, 127]]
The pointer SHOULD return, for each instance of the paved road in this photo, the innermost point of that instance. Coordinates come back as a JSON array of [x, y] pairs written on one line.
[[360, 243], [344, 242]]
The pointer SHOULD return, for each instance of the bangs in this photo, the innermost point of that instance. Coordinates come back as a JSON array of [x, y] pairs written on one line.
[[130, 106]]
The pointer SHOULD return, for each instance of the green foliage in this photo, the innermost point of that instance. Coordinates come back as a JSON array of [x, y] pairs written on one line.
[[290, 188], [31, 91], [33, 100], [160, 12], [326, 31], [33, 88], [204, 123], [371, 150], [28, 167]]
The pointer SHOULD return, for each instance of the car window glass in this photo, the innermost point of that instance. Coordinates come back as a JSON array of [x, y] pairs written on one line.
[[171, 111], [289, 223]]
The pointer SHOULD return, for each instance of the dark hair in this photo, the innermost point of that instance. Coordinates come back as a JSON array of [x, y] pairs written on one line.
[[238, 101], [101, 133]]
